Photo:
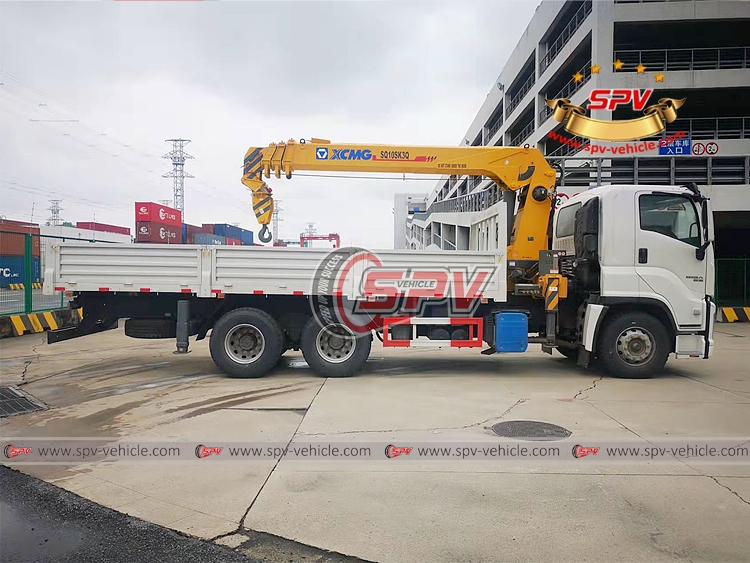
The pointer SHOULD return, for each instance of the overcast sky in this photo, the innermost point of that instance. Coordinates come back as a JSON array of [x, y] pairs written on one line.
[[228, 76]]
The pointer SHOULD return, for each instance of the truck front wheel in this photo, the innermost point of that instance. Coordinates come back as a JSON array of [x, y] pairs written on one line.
[[334, 350], [246, 342], [634, 345]]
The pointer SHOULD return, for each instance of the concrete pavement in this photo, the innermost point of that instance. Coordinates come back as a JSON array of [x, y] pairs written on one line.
[[108, 385]]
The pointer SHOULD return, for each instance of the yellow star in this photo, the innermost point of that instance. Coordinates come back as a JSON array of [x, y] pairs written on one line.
[[595, 68], [659, 77], [640, 69], [578, 77], [618, 64]]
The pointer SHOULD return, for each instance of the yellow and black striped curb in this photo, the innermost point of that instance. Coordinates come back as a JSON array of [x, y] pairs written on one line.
[[39, 322], [733, 314], [20, 286]]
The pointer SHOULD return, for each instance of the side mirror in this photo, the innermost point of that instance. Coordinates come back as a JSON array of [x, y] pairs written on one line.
[[700, 252]]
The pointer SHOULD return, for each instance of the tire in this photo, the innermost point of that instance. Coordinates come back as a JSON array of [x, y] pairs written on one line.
[[633, 345], [151, 328], [260, 349], [339, 362]]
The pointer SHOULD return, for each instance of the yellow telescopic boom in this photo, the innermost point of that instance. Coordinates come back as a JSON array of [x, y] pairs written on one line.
[[511, 168]]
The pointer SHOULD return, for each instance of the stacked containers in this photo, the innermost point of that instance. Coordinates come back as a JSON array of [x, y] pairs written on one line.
[[229, 231], [192, 230], [247, 237], [208, 238], [13, 252], [157, 223], [102, 227]]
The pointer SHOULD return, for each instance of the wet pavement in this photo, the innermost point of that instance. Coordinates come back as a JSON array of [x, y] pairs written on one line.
[[41, 522]]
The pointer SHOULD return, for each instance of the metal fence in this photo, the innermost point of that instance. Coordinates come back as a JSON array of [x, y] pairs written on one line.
[[732, 282], [22, 265]]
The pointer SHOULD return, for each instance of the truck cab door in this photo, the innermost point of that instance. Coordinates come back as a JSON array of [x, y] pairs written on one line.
[[669, 233]]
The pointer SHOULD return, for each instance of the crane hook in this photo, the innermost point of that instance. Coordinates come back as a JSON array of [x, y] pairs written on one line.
[[264, 235]]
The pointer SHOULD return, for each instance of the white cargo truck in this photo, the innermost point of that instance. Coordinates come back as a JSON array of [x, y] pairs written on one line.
[[628, 282]]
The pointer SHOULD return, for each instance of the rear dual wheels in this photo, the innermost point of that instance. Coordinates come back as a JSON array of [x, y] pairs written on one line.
[[334, 350], [246, 342]]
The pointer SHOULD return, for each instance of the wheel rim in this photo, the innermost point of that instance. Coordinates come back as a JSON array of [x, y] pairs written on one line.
[[244, 344], [335, 343], [636, 346]]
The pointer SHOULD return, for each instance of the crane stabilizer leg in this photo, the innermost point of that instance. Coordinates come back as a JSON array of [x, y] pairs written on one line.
[[252, 177]]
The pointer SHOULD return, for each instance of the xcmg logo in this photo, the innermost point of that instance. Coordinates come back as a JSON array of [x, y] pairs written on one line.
[[323, 153], [608, 98]]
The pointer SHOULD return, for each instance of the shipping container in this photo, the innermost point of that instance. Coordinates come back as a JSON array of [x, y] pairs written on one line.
[[208, 238], [229, 231], [233, 241], [146, 211], [246, 237], [15, 244], [184, 234], [13, 270], [188, 236], [103, 227], [158, 233], [208, 228]]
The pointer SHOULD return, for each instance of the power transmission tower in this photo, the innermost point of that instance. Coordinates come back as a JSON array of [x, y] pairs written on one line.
[[275, 219], [178, 156], [55, 209], [310, 230]]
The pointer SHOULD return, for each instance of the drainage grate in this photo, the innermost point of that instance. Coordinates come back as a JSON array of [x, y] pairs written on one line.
[[530, 430], [15, 401]]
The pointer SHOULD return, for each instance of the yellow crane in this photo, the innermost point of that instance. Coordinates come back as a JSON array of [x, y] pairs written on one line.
[[511, 168]]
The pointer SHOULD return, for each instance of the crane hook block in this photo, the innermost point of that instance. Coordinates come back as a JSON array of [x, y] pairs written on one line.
[[264, 235]]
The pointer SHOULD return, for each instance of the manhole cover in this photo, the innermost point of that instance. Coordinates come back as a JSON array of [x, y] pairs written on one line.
[[530, 430], [15, 401]]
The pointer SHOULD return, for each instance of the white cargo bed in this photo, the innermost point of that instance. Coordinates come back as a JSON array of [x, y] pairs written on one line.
[[208, 270]]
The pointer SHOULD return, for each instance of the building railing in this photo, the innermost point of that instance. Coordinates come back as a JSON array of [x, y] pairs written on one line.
[[711, 171], [523, 134], [554, 48], [567, 150], [524, 89], [724, 58], [494, 129], [732, 282], [477, 201], [698, 128], [567, 91]]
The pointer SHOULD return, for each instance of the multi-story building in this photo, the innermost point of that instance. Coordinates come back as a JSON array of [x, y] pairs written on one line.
[[698, 50], [404, 208]]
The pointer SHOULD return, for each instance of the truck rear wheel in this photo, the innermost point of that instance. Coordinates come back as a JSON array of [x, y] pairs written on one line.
[[634, 345], [334, 350], [246, 343]]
